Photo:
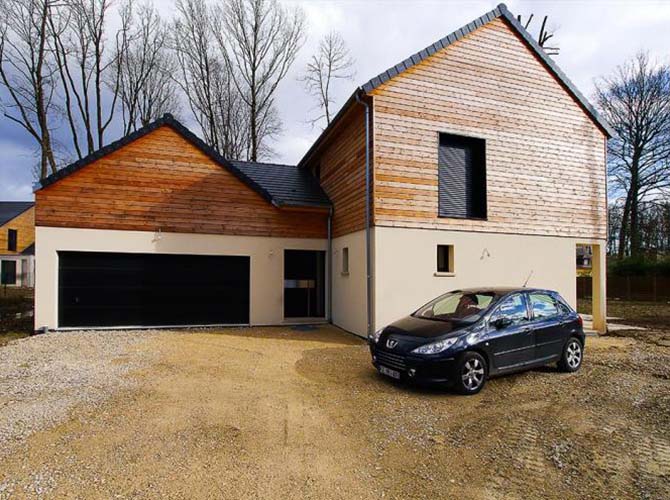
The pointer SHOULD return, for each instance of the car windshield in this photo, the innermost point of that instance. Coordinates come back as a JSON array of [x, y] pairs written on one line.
[[457, 306]]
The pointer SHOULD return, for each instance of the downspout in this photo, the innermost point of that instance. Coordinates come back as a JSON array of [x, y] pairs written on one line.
[[329, 276], [368, 250]]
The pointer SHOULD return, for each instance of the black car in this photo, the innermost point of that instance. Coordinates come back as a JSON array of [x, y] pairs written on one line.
[[463, 337]]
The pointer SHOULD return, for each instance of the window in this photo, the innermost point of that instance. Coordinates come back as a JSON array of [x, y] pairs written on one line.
[[543, 306], [461, 177], [8, 272], [12, 237], [456, 306], [513, 308], [445, 258], [345, 260]]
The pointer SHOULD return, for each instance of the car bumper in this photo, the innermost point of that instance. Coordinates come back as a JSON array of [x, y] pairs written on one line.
[[412, 368]]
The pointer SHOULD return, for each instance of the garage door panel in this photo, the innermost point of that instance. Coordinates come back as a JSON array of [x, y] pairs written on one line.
[[116, 289]]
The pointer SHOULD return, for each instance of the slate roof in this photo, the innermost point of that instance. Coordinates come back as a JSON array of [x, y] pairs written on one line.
[[293, 191], [12, 209], [287, 184], [29, 250]]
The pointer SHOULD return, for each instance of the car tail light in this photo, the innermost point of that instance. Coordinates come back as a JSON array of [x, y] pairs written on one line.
[[580, 320]]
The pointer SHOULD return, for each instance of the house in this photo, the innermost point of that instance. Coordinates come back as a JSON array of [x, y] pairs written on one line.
[[431, 177], [17, 243]]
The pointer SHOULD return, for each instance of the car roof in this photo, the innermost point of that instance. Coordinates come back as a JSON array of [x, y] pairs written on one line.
[[503, 290]]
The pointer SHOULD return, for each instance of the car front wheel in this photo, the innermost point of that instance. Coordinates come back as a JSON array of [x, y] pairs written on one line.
[[471, 373], [573, 354]]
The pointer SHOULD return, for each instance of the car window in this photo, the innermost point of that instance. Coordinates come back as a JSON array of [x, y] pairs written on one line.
[[456, 306], [543, 305], [513, 308]]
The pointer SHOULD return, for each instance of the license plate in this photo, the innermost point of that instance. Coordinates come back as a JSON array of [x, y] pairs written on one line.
[[389, 373]]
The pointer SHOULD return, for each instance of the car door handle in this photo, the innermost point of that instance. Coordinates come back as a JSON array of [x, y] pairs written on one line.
[[527, 329]]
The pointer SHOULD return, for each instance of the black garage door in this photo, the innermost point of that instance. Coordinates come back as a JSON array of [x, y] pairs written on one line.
[[121, 289]]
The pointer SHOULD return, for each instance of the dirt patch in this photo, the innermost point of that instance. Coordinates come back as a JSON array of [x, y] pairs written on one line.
[[275, 413]]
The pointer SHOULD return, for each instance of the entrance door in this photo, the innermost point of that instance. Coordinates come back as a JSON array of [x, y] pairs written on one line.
[[304, 284], [8, 272]]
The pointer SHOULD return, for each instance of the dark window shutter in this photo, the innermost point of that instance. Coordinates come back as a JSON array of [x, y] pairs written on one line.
[[461, 177]]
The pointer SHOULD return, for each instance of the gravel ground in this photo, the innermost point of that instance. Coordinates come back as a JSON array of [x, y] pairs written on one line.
[[43, 377], [276, 413]]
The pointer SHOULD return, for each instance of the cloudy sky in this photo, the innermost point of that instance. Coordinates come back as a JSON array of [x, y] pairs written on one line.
[[594, 37]]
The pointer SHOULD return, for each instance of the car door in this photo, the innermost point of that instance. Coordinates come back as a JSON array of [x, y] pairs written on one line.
[[547, 322], [512, 345]]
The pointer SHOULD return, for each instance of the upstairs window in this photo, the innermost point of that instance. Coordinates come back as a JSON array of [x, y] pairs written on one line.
[[462, 177], [12, 238]]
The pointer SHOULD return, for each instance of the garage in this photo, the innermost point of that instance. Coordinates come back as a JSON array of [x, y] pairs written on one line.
[[99, 289]]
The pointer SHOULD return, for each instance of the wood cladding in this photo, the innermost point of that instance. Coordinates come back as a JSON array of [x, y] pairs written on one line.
[[545, 158], [342, 172], [162, 181], [24, 224]]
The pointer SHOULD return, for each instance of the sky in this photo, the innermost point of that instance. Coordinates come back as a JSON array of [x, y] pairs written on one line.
[[594, 37]]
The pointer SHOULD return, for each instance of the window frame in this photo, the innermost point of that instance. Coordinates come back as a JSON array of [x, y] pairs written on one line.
[[344, 263], [484, 148], [12, 240], [450, 260]]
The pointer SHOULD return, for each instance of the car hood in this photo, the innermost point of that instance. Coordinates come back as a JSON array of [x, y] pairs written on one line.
[[412, 326]]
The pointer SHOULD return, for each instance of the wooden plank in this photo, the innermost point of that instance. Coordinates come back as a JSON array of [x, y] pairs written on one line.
[[161, 181]]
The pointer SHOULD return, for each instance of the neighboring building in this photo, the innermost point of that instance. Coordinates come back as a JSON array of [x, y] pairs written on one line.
[[484, 166], [17, 243], [584, 257]]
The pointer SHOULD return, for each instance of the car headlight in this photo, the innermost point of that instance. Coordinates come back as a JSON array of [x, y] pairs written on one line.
[[435, 347], [374, 338]]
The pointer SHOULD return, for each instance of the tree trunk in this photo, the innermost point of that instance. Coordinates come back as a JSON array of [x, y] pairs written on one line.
[[623, 229], [635, 244]]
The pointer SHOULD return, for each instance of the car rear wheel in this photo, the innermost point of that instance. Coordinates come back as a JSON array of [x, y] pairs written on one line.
[[573, 354], [471, 373]]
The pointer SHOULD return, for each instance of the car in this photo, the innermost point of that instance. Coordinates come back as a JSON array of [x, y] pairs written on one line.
[[464, 337]]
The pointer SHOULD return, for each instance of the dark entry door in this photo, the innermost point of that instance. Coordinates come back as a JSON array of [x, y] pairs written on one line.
[[304, 284], [8, 272], [123, 289]]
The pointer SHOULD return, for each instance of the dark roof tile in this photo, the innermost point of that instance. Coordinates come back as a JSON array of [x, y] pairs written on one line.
[[12, 209], [288, 185]]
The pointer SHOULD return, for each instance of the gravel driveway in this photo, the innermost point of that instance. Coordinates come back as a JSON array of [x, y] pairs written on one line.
[[277, 413]]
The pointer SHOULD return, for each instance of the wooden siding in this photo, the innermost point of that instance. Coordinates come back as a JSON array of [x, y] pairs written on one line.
[[342, 169], [24, 223], [545, 156], [161, 181]]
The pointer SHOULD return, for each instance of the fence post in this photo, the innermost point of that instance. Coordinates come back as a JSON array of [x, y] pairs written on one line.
[[655, 296]]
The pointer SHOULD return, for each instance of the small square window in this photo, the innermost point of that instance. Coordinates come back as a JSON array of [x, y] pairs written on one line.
[[445, 258], [345, 260], [12, 237]]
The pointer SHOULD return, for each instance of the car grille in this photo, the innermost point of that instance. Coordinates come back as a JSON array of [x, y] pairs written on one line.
[[391, 360]]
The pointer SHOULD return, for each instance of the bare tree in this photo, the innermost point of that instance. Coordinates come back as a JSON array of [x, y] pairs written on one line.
[[205, 79], [544, 35], [260, 40], [27, 72], [146, 86], [332, 61], [87, 67], [635, 101]]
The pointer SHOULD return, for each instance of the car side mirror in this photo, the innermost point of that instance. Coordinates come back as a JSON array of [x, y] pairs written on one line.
[[502, 322]]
